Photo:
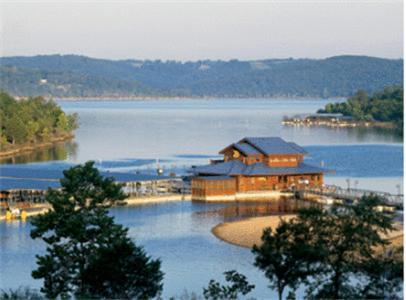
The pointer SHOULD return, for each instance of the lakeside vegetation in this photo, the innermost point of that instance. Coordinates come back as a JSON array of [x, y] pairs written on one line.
[[32, 122], [80, 76], [384, 106]]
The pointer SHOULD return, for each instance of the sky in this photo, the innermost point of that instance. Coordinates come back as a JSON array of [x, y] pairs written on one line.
[[195, 30]]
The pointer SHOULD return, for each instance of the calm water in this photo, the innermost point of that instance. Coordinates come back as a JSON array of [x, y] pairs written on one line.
[[178, 232], [132, 135], [123, 135]]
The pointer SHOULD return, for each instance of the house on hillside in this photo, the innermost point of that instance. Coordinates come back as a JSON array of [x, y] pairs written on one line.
[[255, 166]]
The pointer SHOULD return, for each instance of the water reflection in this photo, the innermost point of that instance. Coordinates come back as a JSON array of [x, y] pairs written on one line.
[[239, 210], [363, 133], [58, 151]]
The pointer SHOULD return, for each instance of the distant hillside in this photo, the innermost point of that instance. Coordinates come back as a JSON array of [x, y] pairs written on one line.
[[79, 76]]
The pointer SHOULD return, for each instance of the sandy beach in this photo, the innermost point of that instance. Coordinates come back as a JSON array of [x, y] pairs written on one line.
[[246, 233]]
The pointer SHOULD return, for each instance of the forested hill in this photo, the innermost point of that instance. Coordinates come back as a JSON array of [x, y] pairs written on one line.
[[79, 76]]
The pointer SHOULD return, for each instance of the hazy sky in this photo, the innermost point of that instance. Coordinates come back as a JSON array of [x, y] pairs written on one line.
[[198, 30]]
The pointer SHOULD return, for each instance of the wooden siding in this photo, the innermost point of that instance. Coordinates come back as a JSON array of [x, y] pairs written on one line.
[[271, 183], [206, 188], [286, 160]]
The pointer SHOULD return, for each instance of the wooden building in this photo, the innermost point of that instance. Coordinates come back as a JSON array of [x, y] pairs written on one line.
[[255, 165]]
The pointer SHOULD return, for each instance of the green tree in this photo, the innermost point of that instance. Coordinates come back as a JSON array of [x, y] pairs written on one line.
[[26, 120], [285, 256], [88, 254], [32, 130], [346, 240], [45, 134], [3, 139], [384, 106], [16, 130], [333, 252], [239, 285], [21, 293], [384, 272], [62, 124]]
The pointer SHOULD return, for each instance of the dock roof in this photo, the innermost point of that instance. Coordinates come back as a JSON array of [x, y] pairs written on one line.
[[27, 184], [41, 179]]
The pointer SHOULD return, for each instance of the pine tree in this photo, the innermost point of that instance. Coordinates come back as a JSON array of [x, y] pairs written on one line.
[[88, 254]]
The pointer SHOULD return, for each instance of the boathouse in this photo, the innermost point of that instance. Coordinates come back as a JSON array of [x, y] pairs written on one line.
[[255, 167], [25, 185]]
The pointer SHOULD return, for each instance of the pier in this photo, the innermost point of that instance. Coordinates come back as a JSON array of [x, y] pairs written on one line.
[[353, 194]]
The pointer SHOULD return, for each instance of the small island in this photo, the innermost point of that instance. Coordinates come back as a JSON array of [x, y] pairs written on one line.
[[384, 109], [32, 123]]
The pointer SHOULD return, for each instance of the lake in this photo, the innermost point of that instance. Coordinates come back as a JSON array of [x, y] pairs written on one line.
[[133, 135]]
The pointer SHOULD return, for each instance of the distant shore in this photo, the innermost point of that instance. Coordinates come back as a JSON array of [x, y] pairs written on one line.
[[340, 124], [143, 98], [25, 148]]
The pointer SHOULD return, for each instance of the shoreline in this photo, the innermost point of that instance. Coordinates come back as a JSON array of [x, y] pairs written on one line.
[[247, 232], [39, 209], [353, 124], [26, 148], [181, 98]]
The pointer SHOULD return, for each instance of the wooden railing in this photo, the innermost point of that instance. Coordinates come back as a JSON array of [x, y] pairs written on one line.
[[354, 194]]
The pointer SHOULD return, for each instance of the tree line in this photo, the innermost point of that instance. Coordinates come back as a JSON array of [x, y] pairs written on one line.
[[384, 106], [337, 253], [31, 120], [80, 76]]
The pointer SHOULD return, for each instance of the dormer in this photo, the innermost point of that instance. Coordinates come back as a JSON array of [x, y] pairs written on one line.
[[243, 152]]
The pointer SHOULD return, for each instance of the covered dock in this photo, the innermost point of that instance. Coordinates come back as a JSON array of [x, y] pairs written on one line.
[[29, 185]]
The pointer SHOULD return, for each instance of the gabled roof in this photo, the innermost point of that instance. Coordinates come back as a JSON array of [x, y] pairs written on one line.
[[266, 146], [236, 167], [296, 146], [247, 149], [273, 145]]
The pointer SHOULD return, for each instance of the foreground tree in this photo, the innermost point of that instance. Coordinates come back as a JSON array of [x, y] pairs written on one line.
[[384, 273], [21, 293], [87, 254], [285, 256], [347, 240], [239, 285], [335, 253]]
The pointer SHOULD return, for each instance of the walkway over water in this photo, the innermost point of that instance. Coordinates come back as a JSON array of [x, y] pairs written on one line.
[[353, 194]]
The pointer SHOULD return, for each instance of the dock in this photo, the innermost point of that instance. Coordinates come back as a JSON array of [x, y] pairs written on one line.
[[353, 194]]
